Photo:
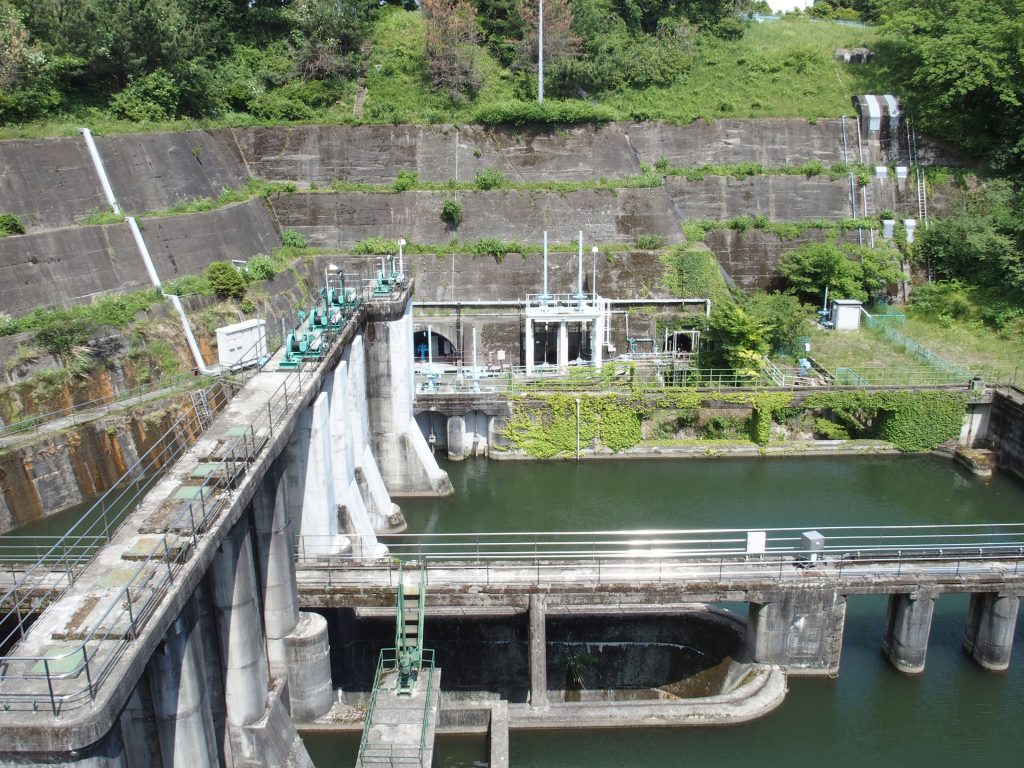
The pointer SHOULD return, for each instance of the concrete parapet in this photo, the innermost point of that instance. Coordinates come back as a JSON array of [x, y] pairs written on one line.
[[799, 629], [908, 623], [308, 659], [991, 621]]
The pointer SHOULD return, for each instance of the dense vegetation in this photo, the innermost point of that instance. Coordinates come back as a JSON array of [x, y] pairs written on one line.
[[957, 64]]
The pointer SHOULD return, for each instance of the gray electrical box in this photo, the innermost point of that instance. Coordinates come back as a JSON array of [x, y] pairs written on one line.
[[813, 544]]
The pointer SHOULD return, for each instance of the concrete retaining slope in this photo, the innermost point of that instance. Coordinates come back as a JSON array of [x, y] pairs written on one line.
[[376, 153], [751, 258], [48, 182], [483, 278], [343, 219], [152, 172], [781, 198], [186, 244], [70, 266]]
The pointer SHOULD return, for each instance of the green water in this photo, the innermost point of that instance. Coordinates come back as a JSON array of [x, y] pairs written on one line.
[[953, 715]]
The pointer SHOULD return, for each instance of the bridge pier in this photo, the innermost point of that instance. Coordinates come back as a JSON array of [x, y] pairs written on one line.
[[181, 702], [798, 629], [384, 514], [403, 456], [457, 438], [538, 652], [991, 621], [908, 622]]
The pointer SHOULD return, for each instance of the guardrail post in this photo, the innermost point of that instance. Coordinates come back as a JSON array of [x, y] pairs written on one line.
[[49, 685], [88, 672]]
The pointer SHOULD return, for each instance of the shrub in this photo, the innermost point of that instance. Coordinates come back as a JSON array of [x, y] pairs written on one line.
[[490, 178], [226, 281], [151, 97], [292, 239], [492, 246], [10, 225], [188, 285], [261, 268], [375, 246], [549, 112], [406, 180], [649, 242], [451, 213]]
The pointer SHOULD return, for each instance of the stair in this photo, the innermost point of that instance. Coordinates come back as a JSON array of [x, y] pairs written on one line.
[[201, 408]]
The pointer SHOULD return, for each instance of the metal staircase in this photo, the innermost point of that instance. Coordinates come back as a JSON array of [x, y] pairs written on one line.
[[409, 629], [201, 407]]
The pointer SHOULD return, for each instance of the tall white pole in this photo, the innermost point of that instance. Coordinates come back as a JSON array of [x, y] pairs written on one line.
[[579, 271], [540, 55], [545, 294]]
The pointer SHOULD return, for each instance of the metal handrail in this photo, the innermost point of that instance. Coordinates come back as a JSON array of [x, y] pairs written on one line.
[[387, 661], [911, 540]]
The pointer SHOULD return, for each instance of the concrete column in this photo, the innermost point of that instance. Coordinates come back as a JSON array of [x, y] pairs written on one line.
[[138, 729], [308, 656], [596, 334], [239, 628], [276, 563], [319, 526], [352, 512], [908, 623], [991, 621], [528, 345], [563, 345], [403, 456], [799, 629], [177, 680], [384, 514], [538, 653], [456, 438]]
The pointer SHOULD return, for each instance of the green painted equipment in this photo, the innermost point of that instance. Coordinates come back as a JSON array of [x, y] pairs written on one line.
[[409, 630]]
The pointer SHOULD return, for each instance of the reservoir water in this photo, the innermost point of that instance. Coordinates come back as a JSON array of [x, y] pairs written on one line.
[[951, 716]]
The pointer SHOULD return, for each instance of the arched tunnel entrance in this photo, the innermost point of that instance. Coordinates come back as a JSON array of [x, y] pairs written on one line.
[[441, 349]]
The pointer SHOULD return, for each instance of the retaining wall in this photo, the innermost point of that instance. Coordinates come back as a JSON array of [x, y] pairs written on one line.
[[343, 219], [781, 198], [1006, 430]]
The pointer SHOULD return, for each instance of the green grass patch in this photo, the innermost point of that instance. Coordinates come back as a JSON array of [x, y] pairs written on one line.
[[250, 189]]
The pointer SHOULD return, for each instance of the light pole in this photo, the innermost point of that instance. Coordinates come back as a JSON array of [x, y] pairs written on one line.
[[593, 280], [540, 52]]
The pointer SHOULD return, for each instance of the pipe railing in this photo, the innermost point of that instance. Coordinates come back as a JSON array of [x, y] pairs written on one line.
[[852, 542]]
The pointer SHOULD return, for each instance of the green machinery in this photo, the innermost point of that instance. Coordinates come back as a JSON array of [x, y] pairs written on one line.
[[388, 276], [409, 631]]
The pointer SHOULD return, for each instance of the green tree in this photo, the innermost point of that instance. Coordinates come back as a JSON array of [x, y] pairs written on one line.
[[27, 77], [227, 282], [329, 33], [739, 340], [964, 74], [848, 271], [786, 317]]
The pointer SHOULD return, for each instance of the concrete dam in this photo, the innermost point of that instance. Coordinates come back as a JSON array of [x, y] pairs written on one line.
[[221, 613]]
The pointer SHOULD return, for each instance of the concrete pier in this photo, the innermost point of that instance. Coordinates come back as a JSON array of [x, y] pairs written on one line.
[[180, 699], [400, 730], [457, 438], [538, 652], [991, 621], [276, 564], [801, 630], [908, 622], [308, 657], [403, 456]]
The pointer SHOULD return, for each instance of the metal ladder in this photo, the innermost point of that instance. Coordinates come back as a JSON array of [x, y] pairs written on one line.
[[409, 629], [201, 407]]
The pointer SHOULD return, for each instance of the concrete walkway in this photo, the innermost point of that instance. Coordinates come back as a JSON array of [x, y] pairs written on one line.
[[400, 729]]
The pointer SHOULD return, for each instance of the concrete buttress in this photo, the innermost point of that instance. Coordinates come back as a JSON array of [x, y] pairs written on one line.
[[180, 699], [991, 622], [403, 456], [276, 563]]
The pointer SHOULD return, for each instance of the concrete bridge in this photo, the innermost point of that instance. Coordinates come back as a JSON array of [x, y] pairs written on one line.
[[795, 583]]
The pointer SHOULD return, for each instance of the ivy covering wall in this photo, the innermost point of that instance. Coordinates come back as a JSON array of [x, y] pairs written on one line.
[[544, 425]]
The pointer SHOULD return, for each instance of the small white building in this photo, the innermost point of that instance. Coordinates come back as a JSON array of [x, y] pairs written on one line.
[[846, 314], [242, 343]]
